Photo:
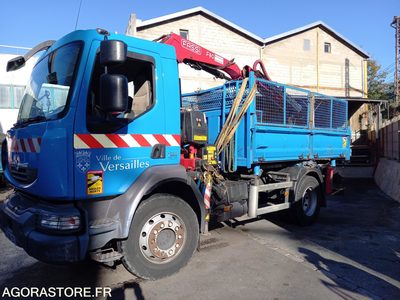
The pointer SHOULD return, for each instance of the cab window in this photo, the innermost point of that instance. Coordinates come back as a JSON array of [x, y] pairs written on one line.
[[139, 70]]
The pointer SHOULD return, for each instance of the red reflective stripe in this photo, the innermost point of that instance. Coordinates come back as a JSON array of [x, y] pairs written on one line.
[[117, 140], [141, 140], [16, 149], [39, 141], [31, 145], [177, 138], [161, 139], [89, 140], [22, 145]]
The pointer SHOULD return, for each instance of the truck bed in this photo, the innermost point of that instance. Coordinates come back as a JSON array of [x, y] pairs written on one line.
[[279, 125]]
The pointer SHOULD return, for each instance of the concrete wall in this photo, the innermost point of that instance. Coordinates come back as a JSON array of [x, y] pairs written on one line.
[[389, 146], [387, 177], [288, 62], [211, 35]]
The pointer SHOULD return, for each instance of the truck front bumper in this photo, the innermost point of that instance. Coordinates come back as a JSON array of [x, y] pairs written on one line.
[[19, 221]]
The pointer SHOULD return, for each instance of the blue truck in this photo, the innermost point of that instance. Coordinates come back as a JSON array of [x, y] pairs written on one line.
[[109, 161]]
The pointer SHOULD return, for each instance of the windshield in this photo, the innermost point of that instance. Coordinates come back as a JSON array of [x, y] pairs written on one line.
[[47, 92]]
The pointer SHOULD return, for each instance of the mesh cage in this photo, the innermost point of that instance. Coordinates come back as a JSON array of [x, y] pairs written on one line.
[[276, 104]]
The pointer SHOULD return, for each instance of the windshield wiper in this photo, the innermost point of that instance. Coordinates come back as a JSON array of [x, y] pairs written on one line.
[[31, 120]]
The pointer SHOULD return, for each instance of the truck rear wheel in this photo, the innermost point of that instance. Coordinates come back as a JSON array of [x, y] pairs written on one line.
[[306, 208], [162, 238]]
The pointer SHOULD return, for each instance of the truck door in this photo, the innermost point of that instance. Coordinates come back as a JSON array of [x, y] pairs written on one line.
[[112, 150]]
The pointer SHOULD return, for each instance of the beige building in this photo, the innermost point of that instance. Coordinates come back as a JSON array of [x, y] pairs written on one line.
[[314, 57]]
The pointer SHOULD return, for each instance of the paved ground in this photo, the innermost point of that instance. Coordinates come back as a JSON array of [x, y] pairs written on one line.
[[353, 252]]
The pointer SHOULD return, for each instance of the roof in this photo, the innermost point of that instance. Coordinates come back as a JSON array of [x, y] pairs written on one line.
[[322, 25], [199, 10], [248, 34]]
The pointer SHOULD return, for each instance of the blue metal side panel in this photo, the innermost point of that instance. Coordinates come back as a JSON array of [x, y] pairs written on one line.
[[281, 144], [214, 121], [329, 145]]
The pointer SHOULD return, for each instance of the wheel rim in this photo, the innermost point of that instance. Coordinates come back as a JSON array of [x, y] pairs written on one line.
[[162, 237], [309, 201]]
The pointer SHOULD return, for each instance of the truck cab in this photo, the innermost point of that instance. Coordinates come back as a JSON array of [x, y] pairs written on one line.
[[79, 162]]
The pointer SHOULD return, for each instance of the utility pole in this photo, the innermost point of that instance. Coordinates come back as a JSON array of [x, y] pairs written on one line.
[[396, 25]]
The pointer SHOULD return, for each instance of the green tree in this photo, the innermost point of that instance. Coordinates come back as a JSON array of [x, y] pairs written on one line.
[[378, 88]]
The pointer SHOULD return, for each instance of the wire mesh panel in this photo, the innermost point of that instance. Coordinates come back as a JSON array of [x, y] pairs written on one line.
[[339, 114], [231, 90], [322, 112], [190, 101], [270, 105], [297, 102], [212, 99]]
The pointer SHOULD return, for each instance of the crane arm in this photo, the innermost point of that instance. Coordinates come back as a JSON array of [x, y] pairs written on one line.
[[199, 57]]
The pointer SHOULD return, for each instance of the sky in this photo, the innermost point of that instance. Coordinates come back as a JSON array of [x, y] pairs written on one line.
[[366, 23]]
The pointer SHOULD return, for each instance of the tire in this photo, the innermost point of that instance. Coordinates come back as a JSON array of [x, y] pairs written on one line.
[[307, 204], [162, 238]]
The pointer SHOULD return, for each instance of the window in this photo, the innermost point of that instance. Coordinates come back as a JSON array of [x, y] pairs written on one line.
[[47, 92], [11, 95], [18, 94], [139, 72], [184, 33], [306, 45], [327, 47], [5, 96]]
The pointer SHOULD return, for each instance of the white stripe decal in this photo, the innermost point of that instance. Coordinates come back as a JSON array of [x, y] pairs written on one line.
[[36, 144], [79, 144], [150, 139], [104, 140], [170, 139], [27, 147], [129, 140]]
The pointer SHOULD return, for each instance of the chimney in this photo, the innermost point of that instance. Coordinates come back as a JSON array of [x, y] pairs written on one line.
[[131, 30]]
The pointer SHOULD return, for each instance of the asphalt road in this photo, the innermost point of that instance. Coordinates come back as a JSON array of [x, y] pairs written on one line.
[[352, 252]]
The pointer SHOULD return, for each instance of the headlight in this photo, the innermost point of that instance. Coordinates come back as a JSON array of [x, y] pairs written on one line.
[[60, 223]]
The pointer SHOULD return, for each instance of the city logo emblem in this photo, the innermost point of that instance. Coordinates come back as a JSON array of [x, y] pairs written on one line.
[[82, 160]]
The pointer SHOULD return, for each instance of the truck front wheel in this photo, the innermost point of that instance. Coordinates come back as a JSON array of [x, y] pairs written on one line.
[[306, 208], [162, 238]]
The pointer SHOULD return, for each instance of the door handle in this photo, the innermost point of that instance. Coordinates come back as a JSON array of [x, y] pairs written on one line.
[[158, 151]]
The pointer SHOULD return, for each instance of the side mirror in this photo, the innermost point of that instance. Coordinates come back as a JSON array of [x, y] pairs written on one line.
[[113, 93], [112, 52], [15, 63]]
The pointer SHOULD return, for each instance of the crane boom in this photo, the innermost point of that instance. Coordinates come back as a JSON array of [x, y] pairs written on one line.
[[199, 57]]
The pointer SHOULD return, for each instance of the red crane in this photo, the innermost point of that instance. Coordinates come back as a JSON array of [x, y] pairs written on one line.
[[201, 58]]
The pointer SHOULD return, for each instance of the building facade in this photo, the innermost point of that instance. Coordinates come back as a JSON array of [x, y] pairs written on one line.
[[314, 57]]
